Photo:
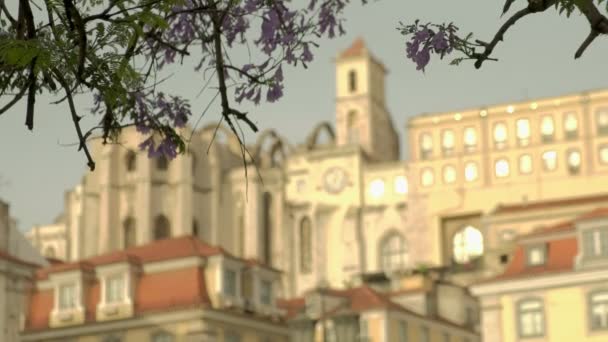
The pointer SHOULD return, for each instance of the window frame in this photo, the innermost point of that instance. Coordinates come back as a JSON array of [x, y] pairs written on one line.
[[599, 154], [60, 299], [444, 173], [429, 171], [574, 170], [601, 130], [519, 315], [542, 248], [229, 289], [106, 288], [544, 137], [590, 306], [570, 134], [448, 151], [503, 144], [469, 148], [519, 164], [425, 154], [523, 141], [468, 257], [475, 166], [266, 292], [546, 167], [508, 172], [391, 250]]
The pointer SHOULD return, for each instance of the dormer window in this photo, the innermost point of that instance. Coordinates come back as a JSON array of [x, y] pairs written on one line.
[[114, 289], [66, 297], [266, 292], [229, 280], [536, 255], [595, 243]]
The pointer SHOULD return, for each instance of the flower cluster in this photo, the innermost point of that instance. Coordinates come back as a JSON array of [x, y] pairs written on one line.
[[428, 39]]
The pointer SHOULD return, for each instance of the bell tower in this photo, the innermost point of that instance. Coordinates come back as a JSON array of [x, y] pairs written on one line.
[[361, 114]]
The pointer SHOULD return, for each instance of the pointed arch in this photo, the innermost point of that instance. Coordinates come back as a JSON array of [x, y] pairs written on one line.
[[129, 232], [313, 137], [162, 228]]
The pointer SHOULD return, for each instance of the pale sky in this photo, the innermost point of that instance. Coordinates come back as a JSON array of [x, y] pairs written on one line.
[[536, 60]]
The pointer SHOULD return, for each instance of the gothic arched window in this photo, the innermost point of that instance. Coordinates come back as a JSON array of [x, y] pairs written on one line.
[[467, 244], [267, 228], [162, 163], [195, 229], [393, 253], [162, 228], [352, 81], [352, 126], [128, 227], [49, 252], [131, 161], [305, 245]]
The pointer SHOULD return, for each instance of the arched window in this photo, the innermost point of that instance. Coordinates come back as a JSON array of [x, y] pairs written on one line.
[[393, 253], [162, 163], [49, 252], [467, 244], [129, 230], [195, 229], [267, 228], [426, 145], [305, 245], [500, 135], [352, 125], [352, 81], [131, 161], [162, 228], [162, 336]]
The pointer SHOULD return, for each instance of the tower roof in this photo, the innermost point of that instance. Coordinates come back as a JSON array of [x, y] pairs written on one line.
[[357, 49]]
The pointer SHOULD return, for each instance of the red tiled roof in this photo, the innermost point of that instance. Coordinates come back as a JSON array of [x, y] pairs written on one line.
[[5, 256], [565, 226], [597, 213], [511, 208], [168, 249], [355, 50], [161, 291], [360, 299]]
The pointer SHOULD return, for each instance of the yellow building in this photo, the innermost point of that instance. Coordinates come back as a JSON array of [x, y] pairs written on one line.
[[169, 291], [554, 288], [364, 314]]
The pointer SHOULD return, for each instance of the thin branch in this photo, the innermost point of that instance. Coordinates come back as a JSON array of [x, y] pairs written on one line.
[[75, 119], [7, 13], [597, 21], [590, 38], [15, 99]]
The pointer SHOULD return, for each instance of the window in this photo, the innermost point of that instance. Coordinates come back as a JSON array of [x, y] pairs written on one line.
[[229, 282], [129, 238], [266, 292], [403, 335], [550, 160], [67, 297], [305, 245], [427, 177], [424, 334], [195, 229], [467, 244], [376, 188], [401, 186], [364, 331], [131, 161], [574, 161], [501, 168], [604, 154], [49, 252], [570, 126], [523, 132], [393, 253], [162, 336], [470, 172], [112, 338], [426, 146], [500, 135], [449, 174], [504, 259], [352, 81], [525, 164], [267, 228], [114, 288], [470, 139], [530, 318], [595, 242], [602, 121], [447, 142], [535, 255], [162, 163], [352, 124], [547, 129], [162, 228], [598, 307], [230, 336]]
